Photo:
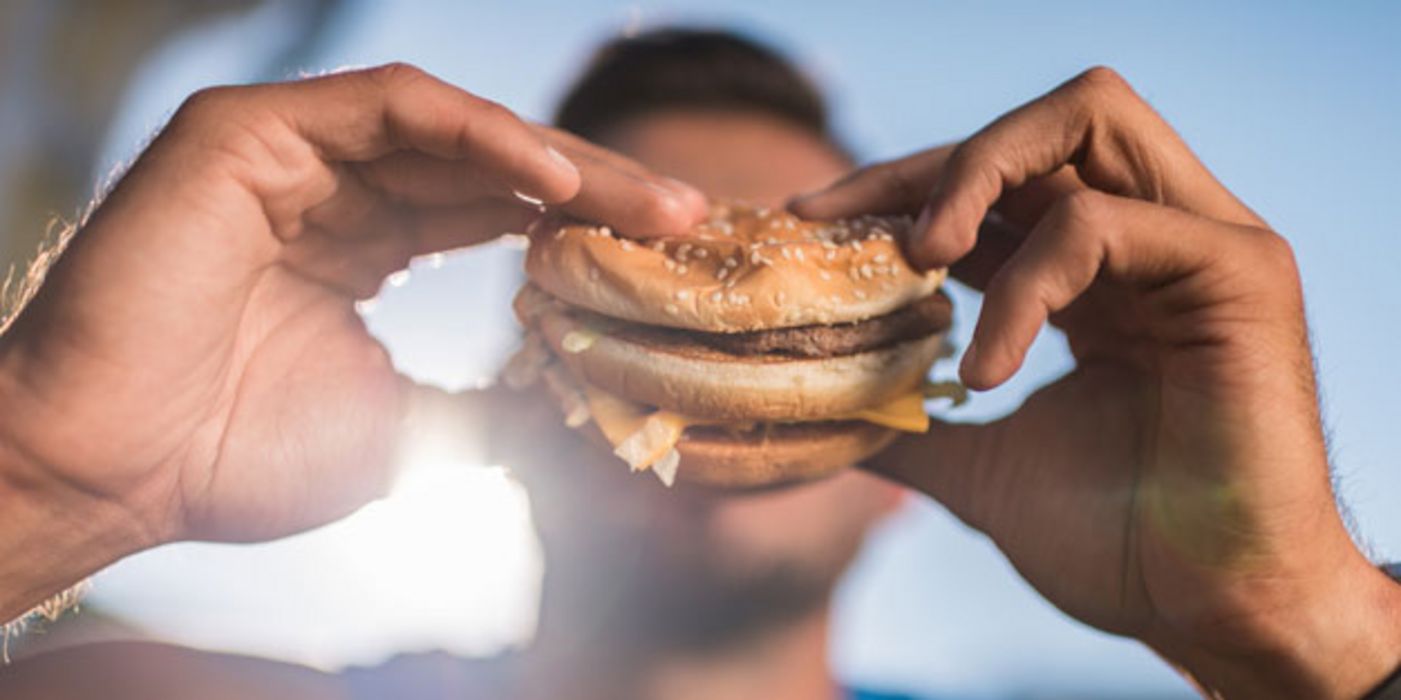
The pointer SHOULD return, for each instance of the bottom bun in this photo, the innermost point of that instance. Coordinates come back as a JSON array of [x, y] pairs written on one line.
[[776, 453]]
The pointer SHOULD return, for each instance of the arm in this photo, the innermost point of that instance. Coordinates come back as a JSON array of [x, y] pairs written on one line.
[[1174, 487], [193, 366], [142, 671]]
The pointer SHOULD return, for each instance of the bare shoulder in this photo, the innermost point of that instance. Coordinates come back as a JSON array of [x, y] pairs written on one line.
[[143, 670]]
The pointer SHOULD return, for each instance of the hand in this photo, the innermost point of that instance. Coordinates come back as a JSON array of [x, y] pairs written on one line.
[[193, 366], [1174, 487]]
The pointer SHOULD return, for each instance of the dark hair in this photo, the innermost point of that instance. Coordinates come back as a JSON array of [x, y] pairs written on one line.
[[676, 68]]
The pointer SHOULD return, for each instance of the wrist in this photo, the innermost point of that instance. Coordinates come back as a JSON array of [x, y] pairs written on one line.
[[54, 536], [1340, 644]]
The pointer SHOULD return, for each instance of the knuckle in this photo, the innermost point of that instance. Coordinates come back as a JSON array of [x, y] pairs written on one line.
[[1274, 253], [395, 75], [495, 111], [209, 102], [1098, 89], [1079, 211], [976, 162], [1102, 79], [968, 155]]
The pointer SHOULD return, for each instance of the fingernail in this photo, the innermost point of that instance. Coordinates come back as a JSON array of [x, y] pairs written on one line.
[[663, 189], [922, 223], [915, 240], [562, 160], [683, 190]]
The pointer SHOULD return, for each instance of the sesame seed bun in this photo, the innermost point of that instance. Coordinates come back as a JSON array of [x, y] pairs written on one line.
[[747, 268], [775, 343], [698, 381]]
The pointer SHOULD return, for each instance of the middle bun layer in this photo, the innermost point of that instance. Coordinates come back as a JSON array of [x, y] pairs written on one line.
[[707, 384]]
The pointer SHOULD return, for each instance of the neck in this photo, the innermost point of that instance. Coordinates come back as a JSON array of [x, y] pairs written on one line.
[[786, 664]]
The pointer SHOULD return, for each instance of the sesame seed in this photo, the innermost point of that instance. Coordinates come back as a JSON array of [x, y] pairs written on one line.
[[605, 231], [716, 297], [659, 246], [786, 253], [722, 273], [797, 253], [731, 262], [683, 294], [831, 255], [881, 258], [824, 274], [672, 309], [702, 253], [856, 245], [683, 249], [626, 244], [754, 258], [859, 294], [669, 263], [731, 283], [866, 271], [681, 269]]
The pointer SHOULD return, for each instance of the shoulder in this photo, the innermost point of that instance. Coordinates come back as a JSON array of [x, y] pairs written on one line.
[[142, 670]]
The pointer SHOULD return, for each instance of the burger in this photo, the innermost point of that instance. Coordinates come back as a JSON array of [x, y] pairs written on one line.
[[760, 348]]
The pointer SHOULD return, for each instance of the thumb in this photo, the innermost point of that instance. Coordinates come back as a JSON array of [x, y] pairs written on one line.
[[947, 463]]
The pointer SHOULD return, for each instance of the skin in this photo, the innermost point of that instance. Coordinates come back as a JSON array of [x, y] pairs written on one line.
[[1205, 527], [193, 367], [672, 551], [1182, 462]]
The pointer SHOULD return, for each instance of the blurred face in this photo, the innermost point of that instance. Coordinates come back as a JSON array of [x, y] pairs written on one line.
[[685, 566]]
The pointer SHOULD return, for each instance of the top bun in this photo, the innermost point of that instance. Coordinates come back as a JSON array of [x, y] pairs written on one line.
[[746, 268]]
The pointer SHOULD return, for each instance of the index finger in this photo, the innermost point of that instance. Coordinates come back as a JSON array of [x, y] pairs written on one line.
[[625, 194], [1094, 123], [367, 114]]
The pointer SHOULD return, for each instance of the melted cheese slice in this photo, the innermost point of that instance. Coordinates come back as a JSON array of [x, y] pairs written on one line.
[[642, 436]]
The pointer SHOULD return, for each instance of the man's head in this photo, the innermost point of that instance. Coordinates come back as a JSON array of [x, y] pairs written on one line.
[[689, 568]]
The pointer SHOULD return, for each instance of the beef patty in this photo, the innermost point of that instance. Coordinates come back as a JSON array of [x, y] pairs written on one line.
[[930, 315]]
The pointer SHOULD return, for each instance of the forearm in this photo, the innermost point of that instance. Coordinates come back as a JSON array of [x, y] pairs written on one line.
[[1341, 647]]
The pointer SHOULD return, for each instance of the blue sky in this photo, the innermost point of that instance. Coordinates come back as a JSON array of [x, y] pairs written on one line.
[[1294, 105]]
